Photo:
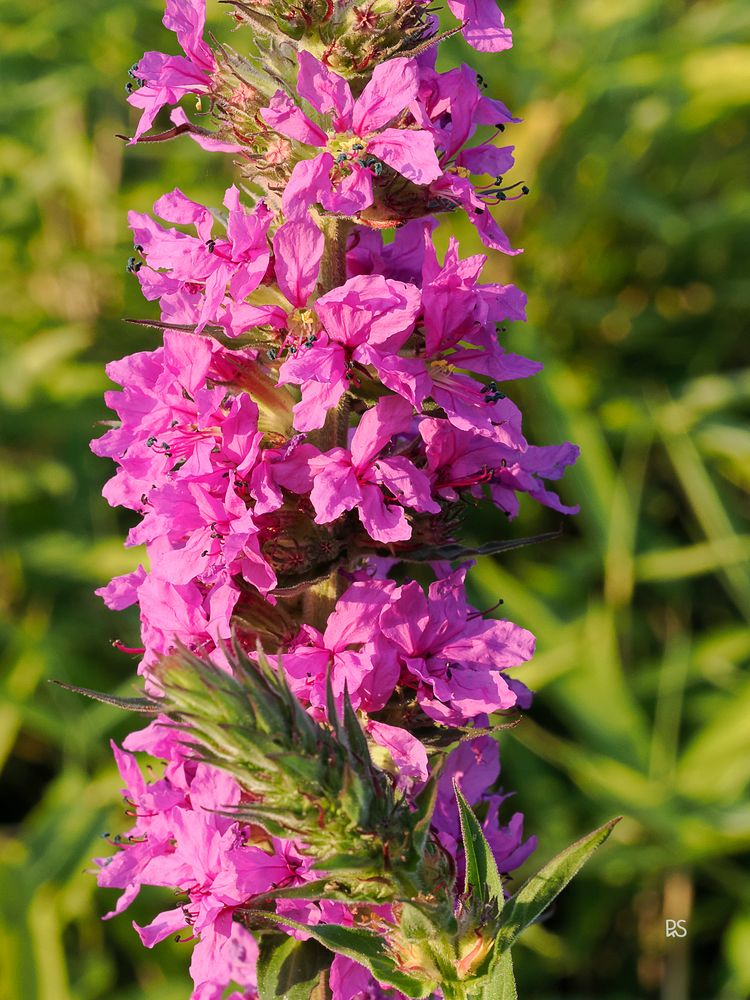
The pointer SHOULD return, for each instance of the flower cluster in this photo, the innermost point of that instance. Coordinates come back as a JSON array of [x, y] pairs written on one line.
[[325, 408]]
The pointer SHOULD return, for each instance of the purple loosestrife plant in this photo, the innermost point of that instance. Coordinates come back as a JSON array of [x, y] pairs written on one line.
[[323, 411]]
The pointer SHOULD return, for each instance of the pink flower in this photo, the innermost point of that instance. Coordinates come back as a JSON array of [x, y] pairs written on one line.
[[211, 864], [451, 107], [365, 322], [355, 479], [164, 79], [452, 655], [180, 840], [234, 265], [345, 651], [340, 178], [483, 24], [172, 426], [475, 764], [194, 534], [460, 459], [407, 753], [456, 190]]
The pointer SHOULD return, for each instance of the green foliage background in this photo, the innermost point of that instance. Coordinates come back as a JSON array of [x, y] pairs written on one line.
[[635, 147]]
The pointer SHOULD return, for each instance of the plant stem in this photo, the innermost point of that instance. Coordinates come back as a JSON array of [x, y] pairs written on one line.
[[333, 264], [320, 599]]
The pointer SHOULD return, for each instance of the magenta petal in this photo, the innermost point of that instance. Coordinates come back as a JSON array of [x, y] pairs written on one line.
[[406, 621], [410, 152], [393, 85], [310, 182], [166, 923], [390, 415], [122, 591], [317, 399], [187, 18], [407, 483], [382, 522], [485, 27], [349, 980], [485, 159], [283, 115], [353, 194], [177, 207], [335, 488], [408, 754], [298, 249], [325, 90]]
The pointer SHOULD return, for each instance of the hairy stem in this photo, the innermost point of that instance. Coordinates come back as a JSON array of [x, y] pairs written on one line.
[[333, 264]]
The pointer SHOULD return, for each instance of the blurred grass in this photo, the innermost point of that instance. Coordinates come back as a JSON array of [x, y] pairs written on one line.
[[635, 146]]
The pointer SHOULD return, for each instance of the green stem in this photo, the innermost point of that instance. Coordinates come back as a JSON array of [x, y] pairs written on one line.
[[323, 990], [334, 432], [333, 264], [320, 599]]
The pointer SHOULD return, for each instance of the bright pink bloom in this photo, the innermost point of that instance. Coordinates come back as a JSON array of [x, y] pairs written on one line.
[[463, 460], [180, 840], [356, 478], [164, 79], [346, 651], [475, 764], [194, 534], [340, 178], [365, 322], [484, 26], [450, 653], [407, 753], [234, 265]]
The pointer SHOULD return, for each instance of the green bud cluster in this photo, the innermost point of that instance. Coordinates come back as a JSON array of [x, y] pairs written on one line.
[[350, 36], [317, 782], [301, 778]]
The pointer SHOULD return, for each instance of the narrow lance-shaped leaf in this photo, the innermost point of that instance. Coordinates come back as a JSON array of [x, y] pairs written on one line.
[[533, 898], [482, 875], [500, 983], [365, 947]]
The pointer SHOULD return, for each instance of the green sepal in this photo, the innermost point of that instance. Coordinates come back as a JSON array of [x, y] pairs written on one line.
[[482, 875], [420, 821], [365, 947], [534, 897], [356, 739], [143, 705], [354, 890], [289, 969], [454, 551]]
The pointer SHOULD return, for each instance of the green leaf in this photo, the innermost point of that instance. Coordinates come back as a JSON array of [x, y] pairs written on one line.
[[422, 817], [356, 739], [289, 969], [533, 898], [351, 890], [365, 947], [482, 875], [500, 983]]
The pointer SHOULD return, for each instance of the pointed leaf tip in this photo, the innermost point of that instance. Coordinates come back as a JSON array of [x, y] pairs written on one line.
[[143, 705], [364, 946], [536, 895], [482, 875]]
